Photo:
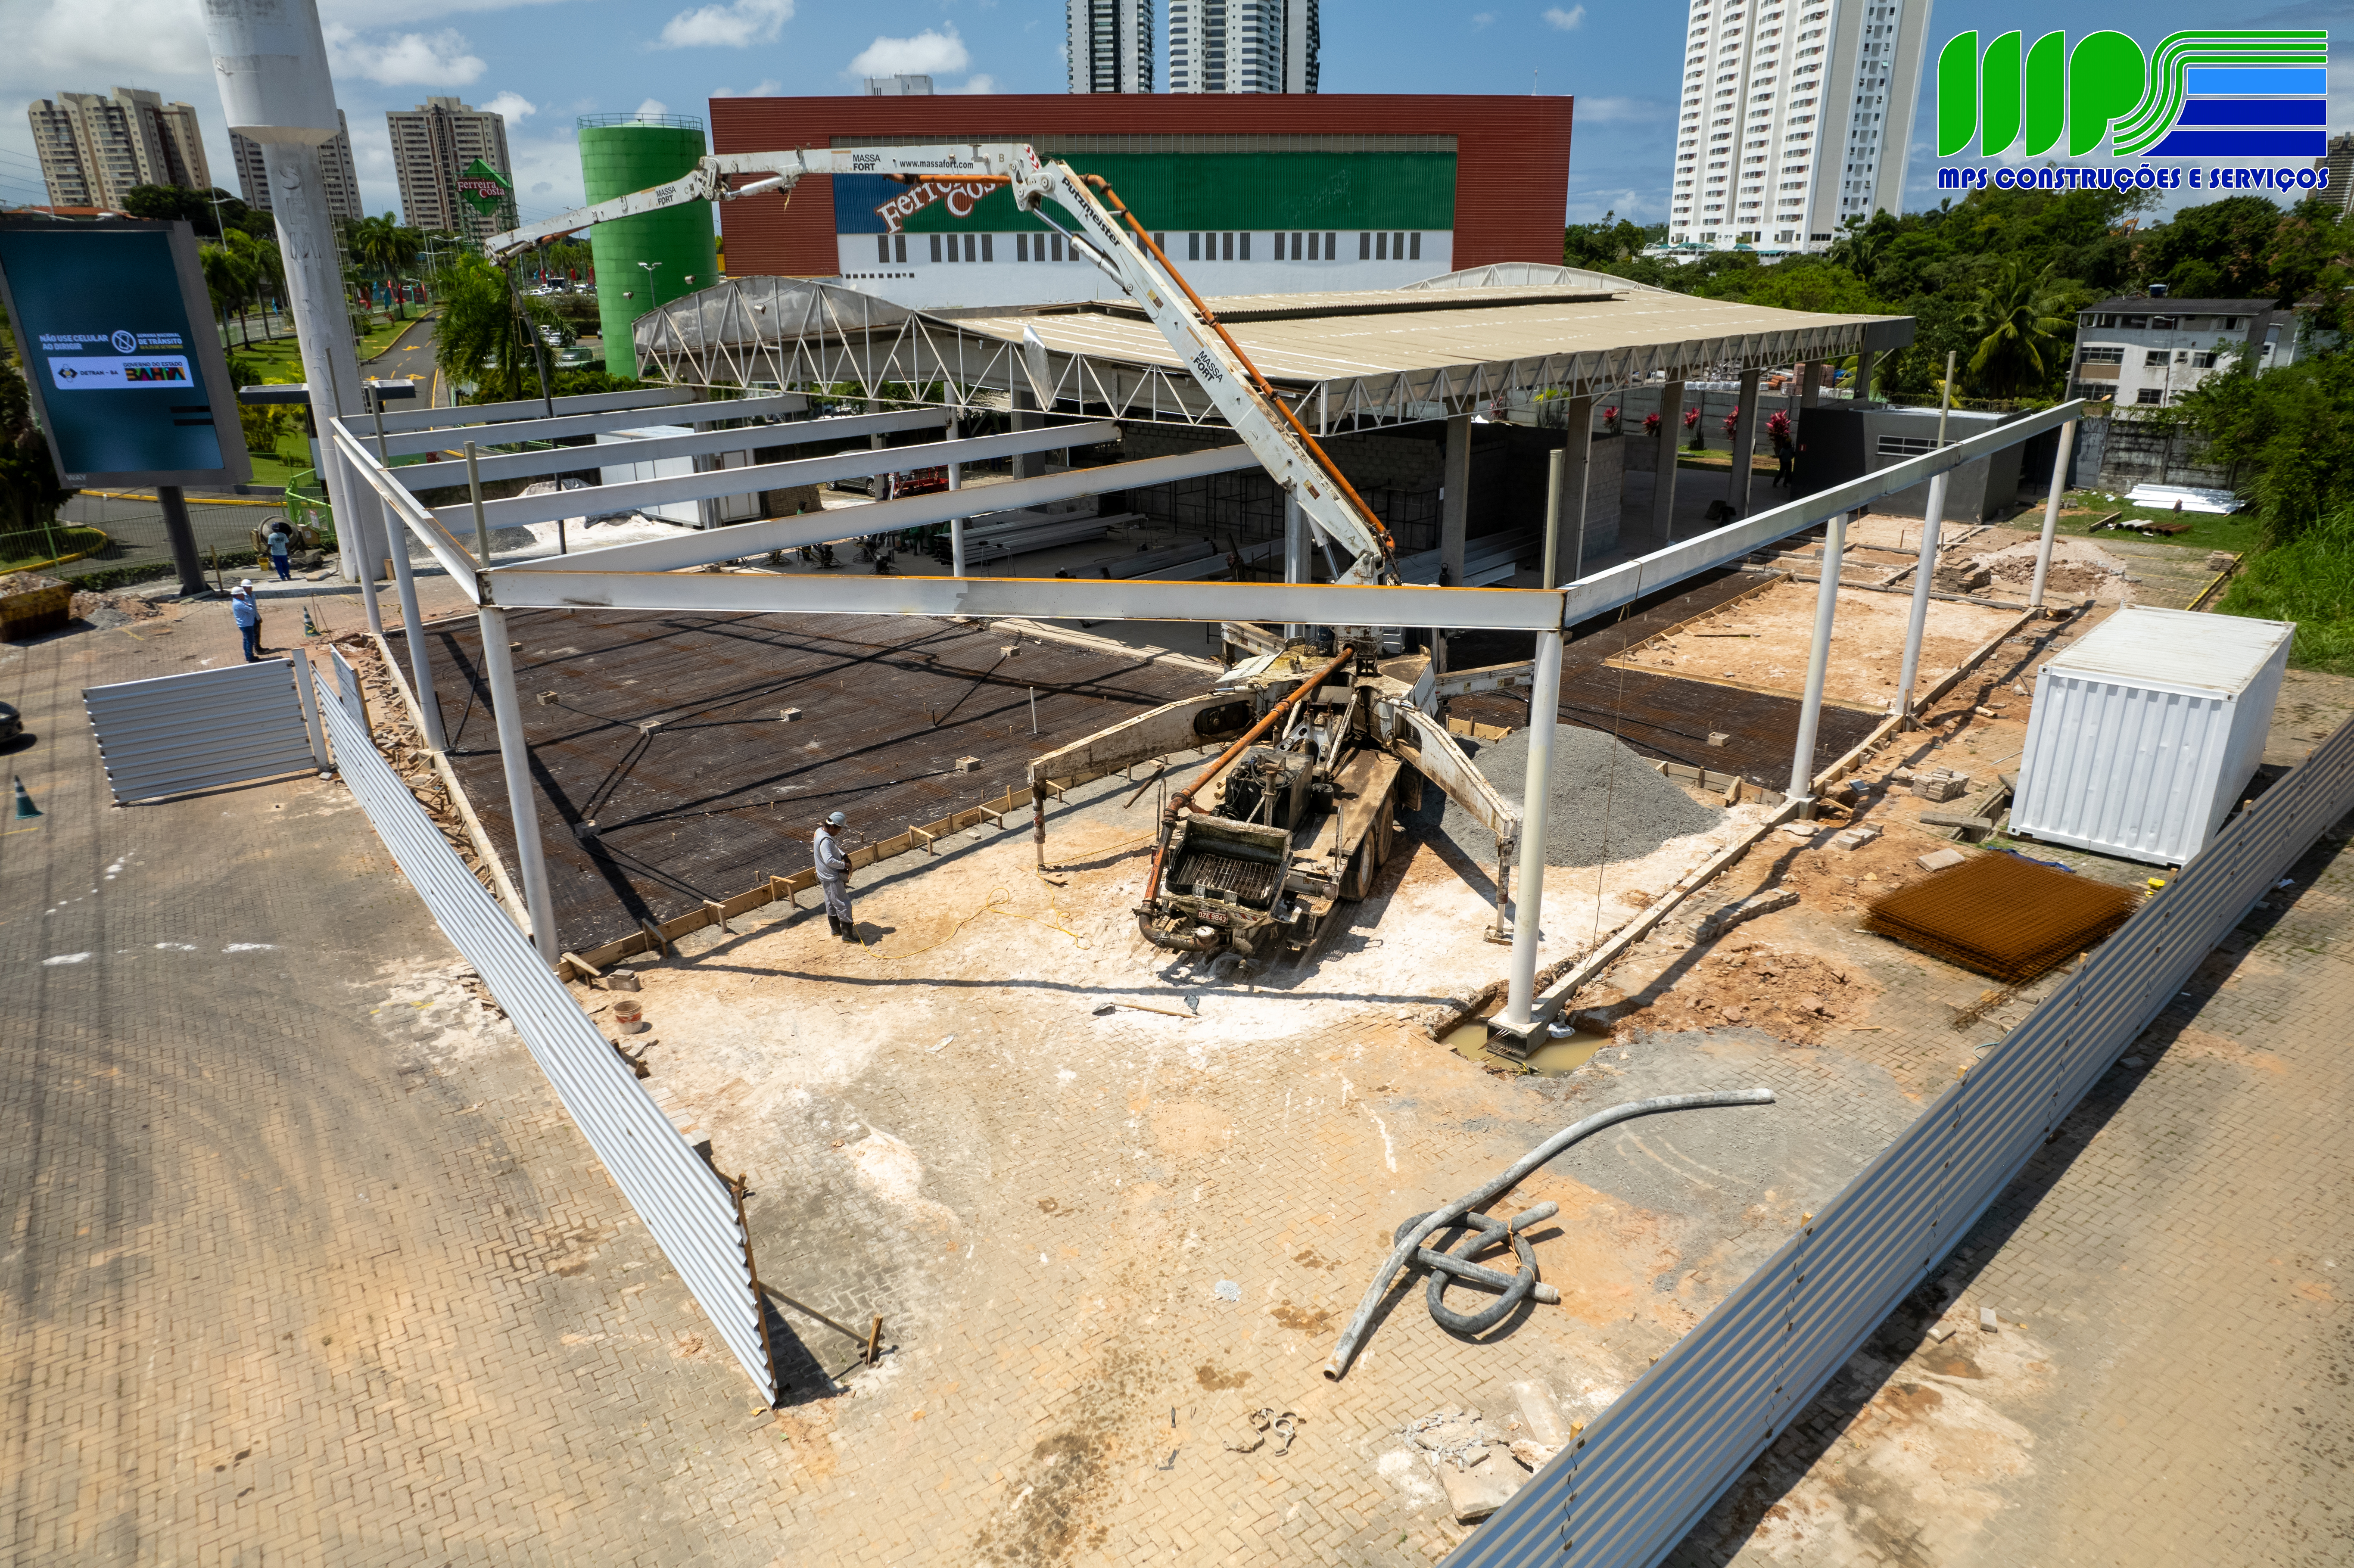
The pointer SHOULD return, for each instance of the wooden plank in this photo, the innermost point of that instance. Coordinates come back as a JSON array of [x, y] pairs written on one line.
[[578, 968], [782, 887], [693, 920], [745, 901]]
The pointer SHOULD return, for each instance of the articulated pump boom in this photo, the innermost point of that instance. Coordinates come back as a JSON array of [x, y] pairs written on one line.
[[1263, 421], [1260, 853]]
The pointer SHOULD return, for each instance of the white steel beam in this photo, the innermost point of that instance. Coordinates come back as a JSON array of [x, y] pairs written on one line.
[[2051, 514], [455, 559], [443, 438], [706, 546], [1630, 580], [516, 510], [1129, 598], [401, 421], [569, 459]]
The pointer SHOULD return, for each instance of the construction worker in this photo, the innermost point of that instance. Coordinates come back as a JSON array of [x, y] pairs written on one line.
[[248, 616], [833, 875]]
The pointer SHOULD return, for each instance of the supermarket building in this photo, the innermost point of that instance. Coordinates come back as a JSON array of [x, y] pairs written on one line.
[[1248, 192]]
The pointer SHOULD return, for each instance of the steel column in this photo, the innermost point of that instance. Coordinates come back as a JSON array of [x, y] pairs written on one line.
[[1528, 910], [314, 297], [1549, 574], [1810, 389], [1866, 366], [1454, 500], [1663, 481], [956, 525], [1576, 473], [412, 627], [2051, 513], [1802, 760], [1919, 619], [1745, 447], [514, 760], [1296, 568], [370, 541]]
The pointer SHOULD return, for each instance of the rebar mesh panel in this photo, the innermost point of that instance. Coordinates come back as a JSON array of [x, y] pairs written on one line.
[[1251, 881], [2002, 916]]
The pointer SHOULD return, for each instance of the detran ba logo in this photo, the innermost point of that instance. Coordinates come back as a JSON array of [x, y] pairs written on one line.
[[2248, 97]]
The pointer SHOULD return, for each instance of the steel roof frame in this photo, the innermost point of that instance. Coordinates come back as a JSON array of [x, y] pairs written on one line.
[[567, 459]]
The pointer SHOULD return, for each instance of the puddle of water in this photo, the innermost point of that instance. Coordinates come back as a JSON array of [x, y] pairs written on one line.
[[1554, 1059]]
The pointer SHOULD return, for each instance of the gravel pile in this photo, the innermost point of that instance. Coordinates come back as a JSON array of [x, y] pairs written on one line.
[[1644, 809]]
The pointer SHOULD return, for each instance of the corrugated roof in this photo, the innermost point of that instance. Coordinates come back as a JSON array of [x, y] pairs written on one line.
[[1360, 358], [2175, 650]]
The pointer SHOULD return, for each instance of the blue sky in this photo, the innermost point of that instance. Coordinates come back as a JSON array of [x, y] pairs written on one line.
[[544, 62]]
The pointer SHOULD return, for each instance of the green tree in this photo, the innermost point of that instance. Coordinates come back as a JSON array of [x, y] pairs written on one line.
[[481, 335], [2218, 251], [206, 211], [2023, 324], [383, 247], [2288, 434], [30, 494], [229, 280]]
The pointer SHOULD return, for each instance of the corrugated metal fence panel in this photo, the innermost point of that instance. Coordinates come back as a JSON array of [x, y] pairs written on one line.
[[347, 688], [690, 1211], [200, 730], [1658, 1458]]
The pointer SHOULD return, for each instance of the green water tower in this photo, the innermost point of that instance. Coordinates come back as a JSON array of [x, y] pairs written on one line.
[[655, 256]]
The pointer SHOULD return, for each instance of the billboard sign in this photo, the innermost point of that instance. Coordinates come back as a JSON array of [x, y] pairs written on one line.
[[483, 188], [127, 388]]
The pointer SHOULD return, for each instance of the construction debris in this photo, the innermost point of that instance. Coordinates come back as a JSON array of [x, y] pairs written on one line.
[[1940, 784], [1282, 1424], [1855, 837]]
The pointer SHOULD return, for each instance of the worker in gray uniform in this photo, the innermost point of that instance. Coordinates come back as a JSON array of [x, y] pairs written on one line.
[[833, 875]]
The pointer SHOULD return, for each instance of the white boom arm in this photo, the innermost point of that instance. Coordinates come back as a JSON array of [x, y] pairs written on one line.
[[1264, 424]]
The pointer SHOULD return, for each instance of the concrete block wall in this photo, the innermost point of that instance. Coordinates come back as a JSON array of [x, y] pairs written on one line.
[[2141, 452]]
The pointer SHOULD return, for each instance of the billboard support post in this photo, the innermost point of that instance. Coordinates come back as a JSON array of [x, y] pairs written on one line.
[[182, 536]]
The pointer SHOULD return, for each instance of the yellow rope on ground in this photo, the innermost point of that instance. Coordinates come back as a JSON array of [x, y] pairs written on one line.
[[994, 904]]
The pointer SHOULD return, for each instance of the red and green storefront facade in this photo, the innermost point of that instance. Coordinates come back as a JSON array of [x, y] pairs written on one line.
[[1248, 194]]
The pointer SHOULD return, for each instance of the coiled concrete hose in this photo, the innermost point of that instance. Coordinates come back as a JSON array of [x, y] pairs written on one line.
[[1440, 1219]]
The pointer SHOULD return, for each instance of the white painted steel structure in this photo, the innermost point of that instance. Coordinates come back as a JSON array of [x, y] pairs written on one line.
[[204, 729], [1628, 1489], [691, 1213]]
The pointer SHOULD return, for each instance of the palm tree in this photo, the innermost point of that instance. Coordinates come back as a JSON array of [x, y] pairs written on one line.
[[228, 279], [265, 267], [384, 247], [2019, 316], [482, 336]]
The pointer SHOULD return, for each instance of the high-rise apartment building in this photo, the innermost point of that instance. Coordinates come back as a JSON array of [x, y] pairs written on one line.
[[1242, 45], [434, 143], [1110, 45], [898, 87], [95, 149], [339, 175], [1796, 116], [2340, 166]]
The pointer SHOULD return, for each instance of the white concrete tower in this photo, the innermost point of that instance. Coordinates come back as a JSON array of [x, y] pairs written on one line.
[[1110, 45], [1796, 117], [1243, 46]]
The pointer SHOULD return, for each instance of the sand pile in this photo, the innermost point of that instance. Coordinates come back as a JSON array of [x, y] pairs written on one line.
[[1589, 768]]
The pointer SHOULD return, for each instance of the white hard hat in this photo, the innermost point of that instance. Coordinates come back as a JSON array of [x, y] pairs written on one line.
[[837, 820]]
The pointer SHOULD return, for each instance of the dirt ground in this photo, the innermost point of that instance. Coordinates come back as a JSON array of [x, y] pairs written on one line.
[[1763, 639]]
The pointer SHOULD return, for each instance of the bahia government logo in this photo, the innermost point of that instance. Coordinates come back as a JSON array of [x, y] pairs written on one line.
[[2245, 99]]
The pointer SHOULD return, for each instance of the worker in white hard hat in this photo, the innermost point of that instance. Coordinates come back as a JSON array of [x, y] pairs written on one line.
[[248, 616], [833, 875]]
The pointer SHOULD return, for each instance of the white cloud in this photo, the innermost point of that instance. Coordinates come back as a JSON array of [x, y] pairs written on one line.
[[766, 87], [651, 109], [131, 39], [735, 25], [980, 82], [512, 106], [1482, 18], [927, 54], [1567, 21], [405, 59]]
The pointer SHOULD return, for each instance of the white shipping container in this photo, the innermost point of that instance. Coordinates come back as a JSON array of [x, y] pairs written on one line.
[[2146, 731]]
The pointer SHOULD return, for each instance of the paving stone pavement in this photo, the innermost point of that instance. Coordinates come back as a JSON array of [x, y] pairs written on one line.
[[2171, 1379], [275, 1286]]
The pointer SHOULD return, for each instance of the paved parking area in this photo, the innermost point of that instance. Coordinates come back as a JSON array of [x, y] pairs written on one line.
[[2171, 1380]]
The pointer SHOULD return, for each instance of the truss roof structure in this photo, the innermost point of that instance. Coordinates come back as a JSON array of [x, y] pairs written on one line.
[[1448, 345]]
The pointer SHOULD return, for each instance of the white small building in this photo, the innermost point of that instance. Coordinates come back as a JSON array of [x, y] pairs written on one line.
[[2148, 350]]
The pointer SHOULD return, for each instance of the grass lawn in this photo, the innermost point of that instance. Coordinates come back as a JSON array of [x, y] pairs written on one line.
[[2083, 508], [279, 360], [38, 547]]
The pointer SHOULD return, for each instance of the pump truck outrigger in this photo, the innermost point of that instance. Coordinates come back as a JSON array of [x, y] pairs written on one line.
[[1329, 738]]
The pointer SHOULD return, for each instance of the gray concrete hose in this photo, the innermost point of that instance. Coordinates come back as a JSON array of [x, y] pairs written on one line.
[[1410, 1241]]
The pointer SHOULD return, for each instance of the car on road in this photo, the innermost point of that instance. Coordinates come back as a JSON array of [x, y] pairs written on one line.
[[12, 723]]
